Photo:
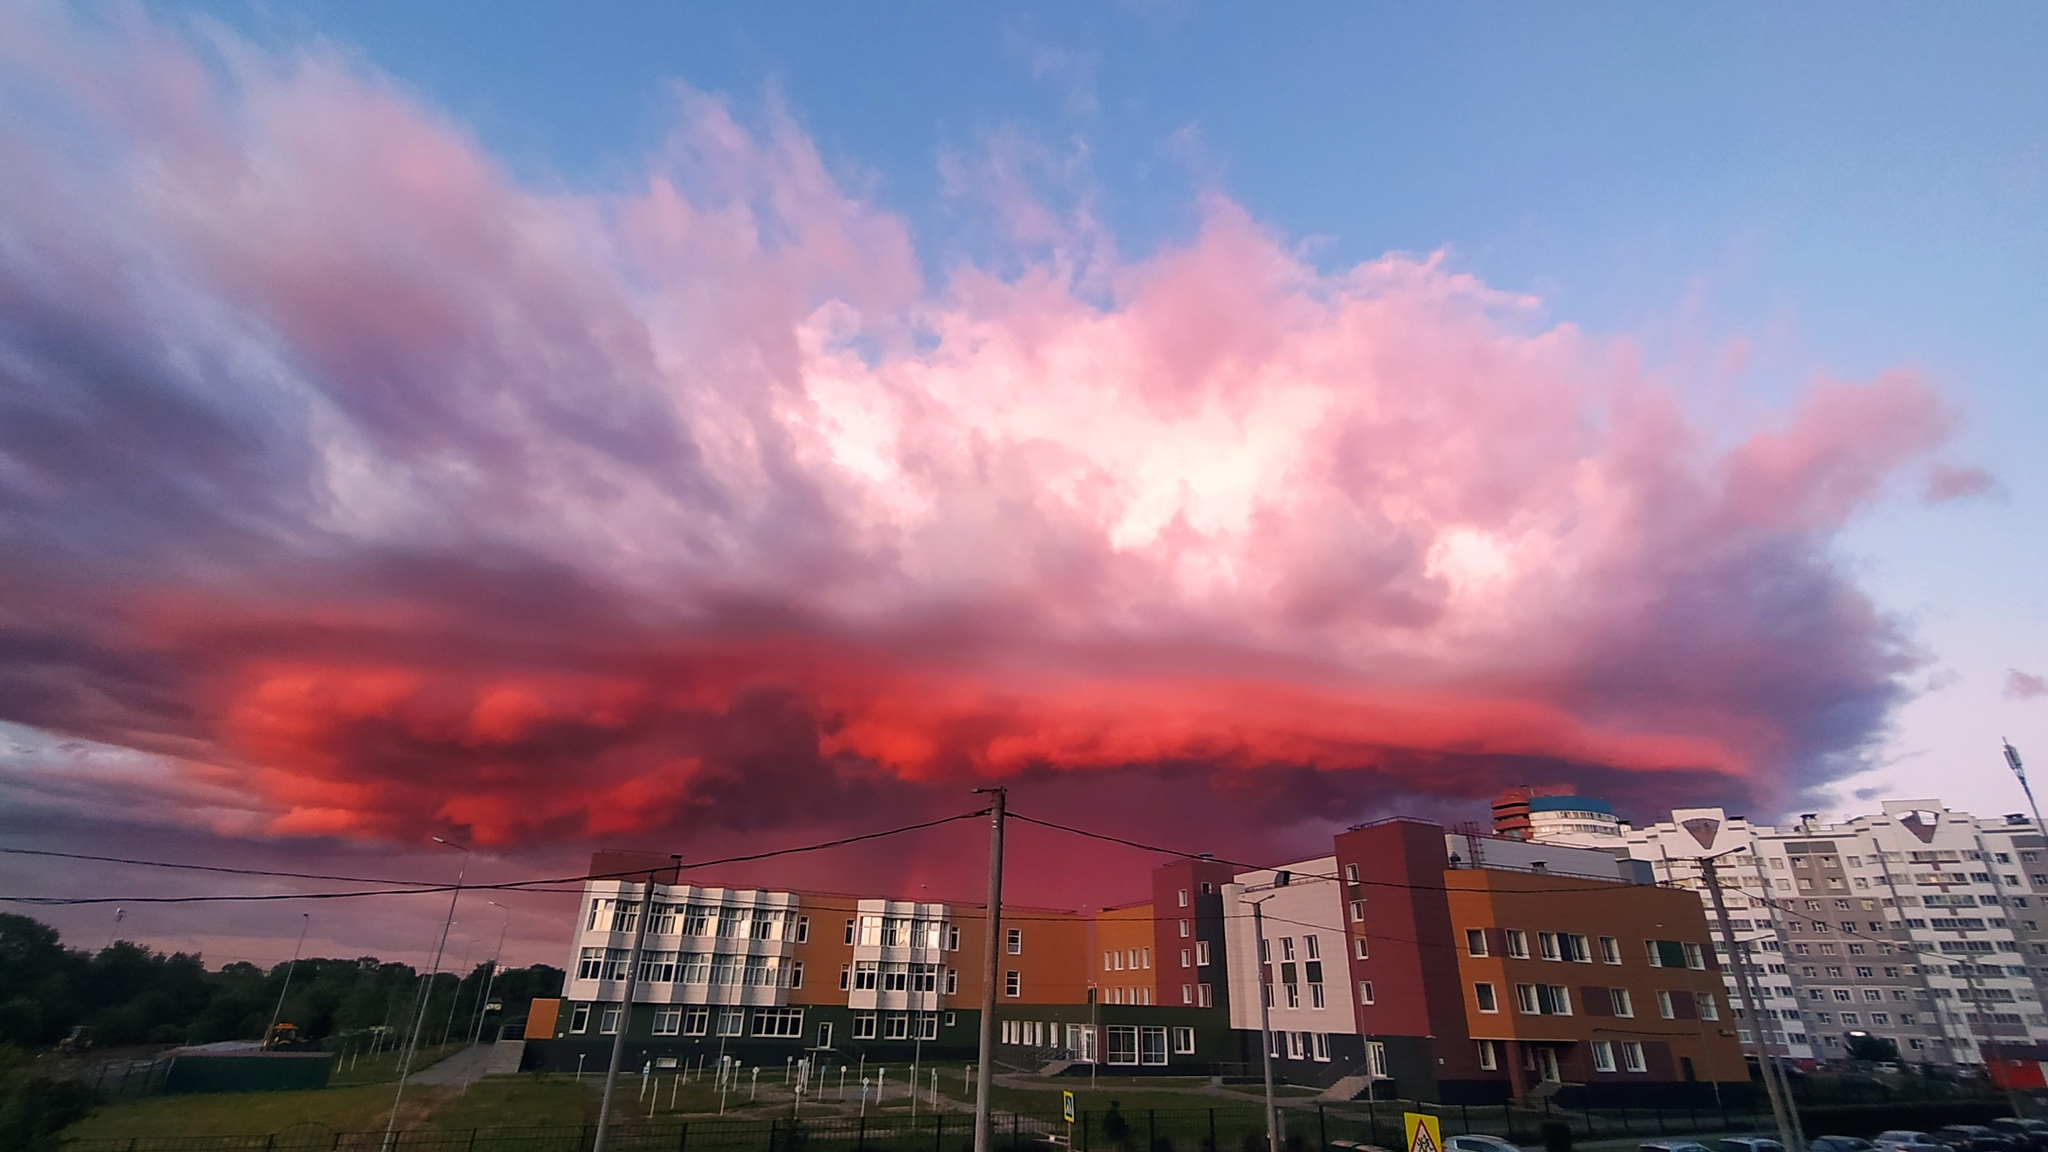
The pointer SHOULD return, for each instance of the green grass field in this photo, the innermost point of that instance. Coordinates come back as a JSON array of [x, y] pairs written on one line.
[[383, 1067], [516, 1102], [357, 1109]]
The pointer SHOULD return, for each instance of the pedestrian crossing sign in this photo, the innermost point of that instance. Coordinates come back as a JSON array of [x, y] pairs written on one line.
[[1067, 1100], [1424, 1134]]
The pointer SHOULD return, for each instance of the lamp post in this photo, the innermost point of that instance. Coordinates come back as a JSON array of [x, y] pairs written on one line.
[[1281, 879], [305, 922], [2012, 761], [477, 1033], [412, 1043]]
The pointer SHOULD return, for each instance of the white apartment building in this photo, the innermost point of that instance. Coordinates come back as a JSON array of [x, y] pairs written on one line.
[[711, 955], [1921, 924], [1303, 925]]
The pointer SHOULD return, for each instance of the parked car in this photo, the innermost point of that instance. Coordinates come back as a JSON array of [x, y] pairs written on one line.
[[1478, 1143], [1975, 1138], [1751, 1144], [1672, 1146], [1897, 1138], [1840, 1144], [2030, 1134]]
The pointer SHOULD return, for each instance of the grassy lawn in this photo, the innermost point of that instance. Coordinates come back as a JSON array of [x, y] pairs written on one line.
[[383, 1067], [357, 1109], [517, 1102]]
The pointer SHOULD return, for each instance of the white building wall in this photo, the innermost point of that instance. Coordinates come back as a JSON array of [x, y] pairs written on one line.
[[1305, 918], [740, 958]]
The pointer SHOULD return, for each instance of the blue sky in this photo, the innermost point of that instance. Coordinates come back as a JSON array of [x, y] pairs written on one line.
[[1843, 188]]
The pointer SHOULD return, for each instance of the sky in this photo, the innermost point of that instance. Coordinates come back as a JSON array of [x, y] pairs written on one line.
[[721, 427]]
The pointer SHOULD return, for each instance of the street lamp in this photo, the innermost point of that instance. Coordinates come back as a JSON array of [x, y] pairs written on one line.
[[1281, 879], [2012, 761], [477, 1034], [412, 1043], [305, 922]]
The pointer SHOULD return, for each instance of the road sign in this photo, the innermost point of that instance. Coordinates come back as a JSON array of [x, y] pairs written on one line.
[[1424, 1134], [1067, 1101]]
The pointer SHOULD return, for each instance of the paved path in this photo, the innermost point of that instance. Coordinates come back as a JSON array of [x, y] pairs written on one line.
[[458, 1070]]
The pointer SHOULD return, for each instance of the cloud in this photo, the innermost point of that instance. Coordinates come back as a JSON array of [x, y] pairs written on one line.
[[349, 477], [1945, 483], [2024, 686]]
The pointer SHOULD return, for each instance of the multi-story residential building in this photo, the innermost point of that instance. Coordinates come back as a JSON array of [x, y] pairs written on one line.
[[1426, 964], [1918, 924], [1556, 816], [1470, 968]]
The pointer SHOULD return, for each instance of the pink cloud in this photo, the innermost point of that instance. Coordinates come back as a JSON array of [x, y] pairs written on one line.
[[2024, 686], [416, 495]]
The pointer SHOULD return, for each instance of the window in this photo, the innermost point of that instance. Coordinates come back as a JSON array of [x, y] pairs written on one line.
[[1015, 942], [1351, 873], [1121, 1044], [1183, 1041], [1319, 1048], [1013, 983], [1546, 945], [1201, 953], [787, 1022], [1622, 1003], [1187, 958], [1525, 999], [1483, 993], [1358, 950], [609, 1022], [1152, 1045], [952, 938], [849, 931], [864, 1026], [1204, 998], [1187, 993], [1376, 1059], [803, 929], [1358, 911], [796, 973], [1632, 1056], [896, 1026], [1475, 942], [1287, 947], [1694, 957], [696, 1021], [1183, 901], [1603, 1056], [1518, 943], [866, 975], [845, 977], [730, 1021], [1489, 1055], [579, 1018], [1184, 930], [1665, 1007], [1364, 991], [1707, 1008], [1574, 947]]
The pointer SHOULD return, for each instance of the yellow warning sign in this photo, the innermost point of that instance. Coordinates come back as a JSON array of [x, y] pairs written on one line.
[[1424, 1134], [1067, 1098]]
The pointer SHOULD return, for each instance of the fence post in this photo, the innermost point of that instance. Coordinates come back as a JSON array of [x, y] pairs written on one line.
[[772, 1121], [1658, 1108], [1212, 1132], [1151, 1129], [1322, 1128], [1013, 1131], [1624, 1121], [1084, 1132], [472, 1140], [861, 1139], [683, 1137], [939, 1132], [1588, 1106], [1372, 1120], [1465, 1110]]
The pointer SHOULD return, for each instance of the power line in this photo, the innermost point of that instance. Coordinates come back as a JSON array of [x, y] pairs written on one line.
[[424, 884], [419, 888]]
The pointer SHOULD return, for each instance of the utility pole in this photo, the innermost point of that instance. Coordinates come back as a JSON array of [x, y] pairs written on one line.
[[1266, 1022], [477, 1034], [412, 1044], [2012, 761], [305, 922], [1781, 1106], [984, 1072], [611, 1075]]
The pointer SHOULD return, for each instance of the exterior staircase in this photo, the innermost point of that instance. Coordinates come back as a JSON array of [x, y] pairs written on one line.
[[1347, 1088], [1055, 1067], [505, 1057]]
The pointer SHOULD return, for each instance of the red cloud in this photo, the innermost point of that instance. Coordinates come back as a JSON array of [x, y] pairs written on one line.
[[344, 464]]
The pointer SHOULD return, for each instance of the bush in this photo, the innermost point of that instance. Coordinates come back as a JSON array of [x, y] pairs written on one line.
[[1557, 1136], [35, 1109]]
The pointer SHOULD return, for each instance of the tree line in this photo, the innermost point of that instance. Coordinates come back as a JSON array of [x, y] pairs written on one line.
[[130, 994]]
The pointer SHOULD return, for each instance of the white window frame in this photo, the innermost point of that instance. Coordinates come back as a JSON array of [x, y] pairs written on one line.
[[1484, 994], [1603, 1056], [1632, 1056], [1183, 1041]]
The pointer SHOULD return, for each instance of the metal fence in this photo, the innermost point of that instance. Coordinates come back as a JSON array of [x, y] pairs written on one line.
[[1229, 1129]]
